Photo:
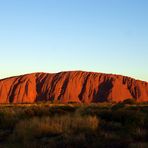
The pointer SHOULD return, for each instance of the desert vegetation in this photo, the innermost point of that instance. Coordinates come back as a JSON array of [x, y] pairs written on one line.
[[74, 125]]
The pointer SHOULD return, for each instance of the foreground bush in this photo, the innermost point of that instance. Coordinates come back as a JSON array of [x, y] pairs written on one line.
[[129, 101]]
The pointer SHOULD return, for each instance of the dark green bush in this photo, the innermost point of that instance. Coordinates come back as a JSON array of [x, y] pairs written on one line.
[[118, 106], [123, 116], [129, 101]]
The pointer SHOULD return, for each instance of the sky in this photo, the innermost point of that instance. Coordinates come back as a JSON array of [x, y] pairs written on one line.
[[109, 36]]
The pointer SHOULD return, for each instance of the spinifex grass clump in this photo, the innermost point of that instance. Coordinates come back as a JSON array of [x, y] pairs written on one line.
[[40, 127], [46, 128]]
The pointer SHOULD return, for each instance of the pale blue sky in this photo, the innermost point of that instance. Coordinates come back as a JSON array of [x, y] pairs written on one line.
[[108, 36]]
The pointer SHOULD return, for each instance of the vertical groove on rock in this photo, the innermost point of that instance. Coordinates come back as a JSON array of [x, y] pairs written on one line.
[[11, 98], [40, 80], [103, 91], [83, 87], [64, 86], [53, 83], [12, 90]]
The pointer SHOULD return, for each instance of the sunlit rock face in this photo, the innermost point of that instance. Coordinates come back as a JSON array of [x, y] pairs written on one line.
[[76, 86]]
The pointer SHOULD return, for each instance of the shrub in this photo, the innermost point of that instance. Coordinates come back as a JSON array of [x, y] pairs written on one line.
[[118, 106], [138, 134], [138, 145], [110, 126], [129, 101], [125, 117], [7, 118]]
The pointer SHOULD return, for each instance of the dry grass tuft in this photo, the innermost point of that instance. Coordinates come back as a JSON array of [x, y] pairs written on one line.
[[53, 126]]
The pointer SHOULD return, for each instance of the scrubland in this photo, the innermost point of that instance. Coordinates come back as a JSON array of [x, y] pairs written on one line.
[[46, 125]]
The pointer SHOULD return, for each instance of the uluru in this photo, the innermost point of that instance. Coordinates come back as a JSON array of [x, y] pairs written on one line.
[[72, 86]]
